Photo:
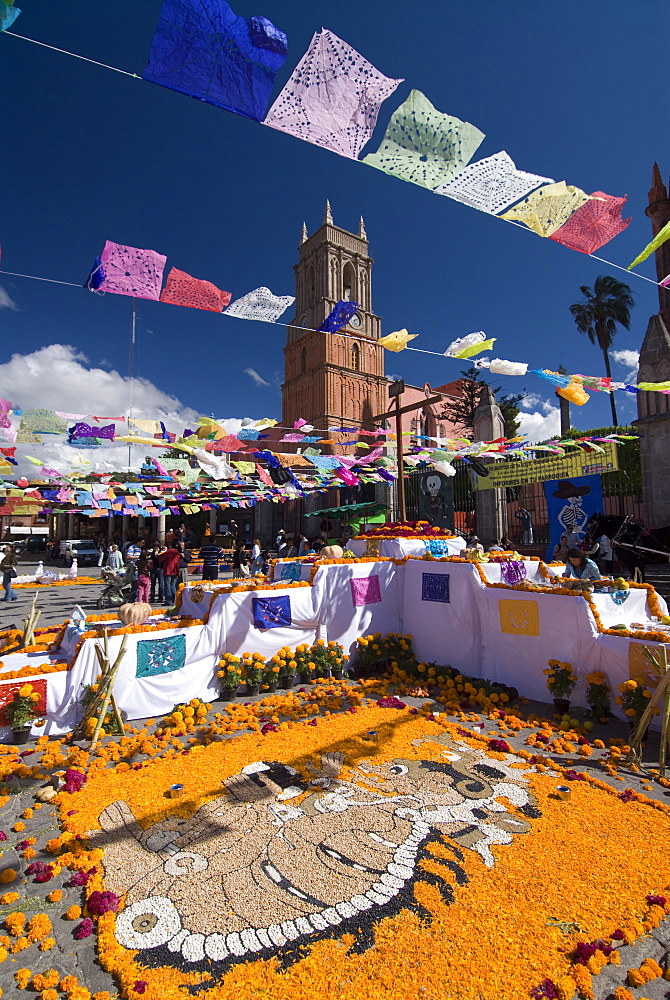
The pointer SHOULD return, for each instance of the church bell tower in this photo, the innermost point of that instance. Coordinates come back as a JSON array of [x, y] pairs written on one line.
[[333, 379]]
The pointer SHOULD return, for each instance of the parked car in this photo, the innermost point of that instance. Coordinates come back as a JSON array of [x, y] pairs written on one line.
[[82, 549], [36, 543]]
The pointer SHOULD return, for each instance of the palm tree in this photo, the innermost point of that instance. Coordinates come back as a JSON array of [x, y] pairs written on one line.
[[609, 302]]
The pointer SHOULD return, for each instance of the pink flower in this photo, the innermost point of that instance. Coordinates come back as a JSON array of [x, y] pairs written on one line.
[[74, 780], [102, 902], [140, 985], [3, 835], [656, 900], [501, 746], [391, 702], [85, 929]]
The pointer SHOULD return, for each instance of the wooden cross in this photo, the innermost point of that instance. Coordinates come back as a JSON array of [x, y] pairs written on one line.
[[396, 390]]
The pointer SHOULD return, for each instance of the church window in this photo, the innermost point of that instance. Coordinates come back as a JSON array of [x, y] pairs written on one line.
[[311, 285], [303, 360], [349, 292], [356, 357]]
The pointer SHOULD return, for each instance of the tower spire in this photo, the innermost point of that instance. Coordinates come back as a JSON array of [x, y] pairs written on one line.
[[303, 234], [361, 229], [658, 190], [328, 217]]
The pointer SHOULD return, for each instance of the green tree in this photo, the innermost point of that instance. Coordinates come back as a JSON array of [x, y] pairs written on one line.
[[462, 411], [604, 306]]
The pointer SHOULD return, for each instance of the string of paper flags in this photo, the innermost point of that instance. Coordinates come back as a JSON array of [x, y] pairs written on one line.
[[203, 49], [138, 273]]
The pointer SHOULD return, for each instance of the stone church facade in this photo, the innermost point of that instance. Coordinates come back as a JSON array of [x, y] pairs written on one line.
[[653, 408]]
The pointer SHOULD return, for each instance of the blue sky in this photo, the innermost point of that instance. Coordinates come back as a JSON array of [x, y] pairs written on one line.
[[571, 91]]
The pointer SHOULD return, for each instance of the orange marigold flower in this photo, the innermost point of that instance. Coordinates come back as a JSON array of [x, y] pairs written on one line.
[[55, 896], [22, 977], [15, 922], [38, 927], [49, 995], [8, 875], [20, 944], [18, 827], [73, 913], [8, 897], [44, 980], [47, 944], [68, 983]]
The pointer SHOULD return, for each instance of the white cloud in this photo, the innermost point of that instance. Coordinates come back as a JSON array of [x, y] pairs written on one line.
[[58, 377], [258, 379], [629, 360], [543, 421], [6, 301]]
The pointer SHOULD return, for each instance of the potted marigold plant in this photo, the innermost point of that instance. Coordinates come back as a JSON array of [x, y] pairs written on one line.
[[288, 666], [304, 664], [230, 676], [21, 712], [634, 699], [271, 673], [253, 666], [560, 682], [598, 695], [320, 655]]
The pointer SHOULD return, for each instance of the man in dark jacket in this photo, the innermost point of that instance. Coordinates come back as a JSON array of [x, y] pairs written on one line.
[[210, 554]]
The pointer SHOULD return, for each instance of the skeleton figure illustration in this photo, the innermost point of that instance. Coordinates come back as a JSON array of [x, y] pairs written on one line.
[[437, 504], [281, 858]]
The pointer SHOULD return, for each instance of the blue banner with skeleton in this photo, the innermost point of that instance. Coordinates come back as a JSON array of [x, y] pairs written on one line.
[[570, 504]]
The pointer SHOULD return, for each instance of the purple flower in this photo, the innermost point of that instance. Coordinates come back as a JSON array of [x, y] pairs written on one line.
[[391, 702], [587, 949], [627, 795], [74, 780], [269, 727], [81, 878], [22, 844], [42, 872], [85, 929], [102, 902], [312, 723], [618, 935], [140, 985], [547, 990], [3, 835], [656, 900], [502, 746], [572, 775]]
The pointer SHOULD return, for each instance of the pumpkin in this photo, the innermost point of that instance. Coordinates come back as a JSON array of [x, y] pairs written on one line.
[[134, 614]]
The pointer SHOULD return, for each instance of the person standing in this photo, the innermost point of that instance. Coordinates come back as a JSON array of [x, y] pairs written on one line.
[[303, 545], [169, 563], [143, 577], [114, 559], [210, 554], [525, 519], [560, 553], [279, 540], [156, 575], [606, 555], [256, 557], [9, 572], [184, 559], [240, 562]]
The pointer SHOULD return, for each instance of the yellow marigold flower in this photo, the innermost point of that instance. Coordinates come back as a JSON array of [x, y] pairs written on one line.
[[8, 898], [49, 995], [25, 690], [630, 712], [18, 827], [3, 954], [47, 944], [73, 913], [19, 945], [68, 983]]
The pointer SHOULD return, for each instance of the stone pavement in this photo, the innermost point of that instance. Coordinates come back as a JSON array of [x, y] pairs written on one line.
[[56, 603], [70, 956]]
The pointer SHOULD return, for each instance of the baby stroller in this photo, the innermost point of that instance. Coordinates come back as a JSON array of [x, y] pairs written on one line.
[[119, 586]]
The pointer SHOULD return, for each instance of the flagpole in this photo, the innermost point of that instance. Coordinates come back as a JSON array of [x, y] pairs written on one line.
[[131, 366]]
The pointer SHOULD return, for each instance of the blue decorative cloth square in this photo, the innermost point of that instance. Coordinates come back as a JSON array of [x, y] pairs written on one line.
[[437, 547], [435, 587], [291, 571], [271, 612], [160, 656]]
